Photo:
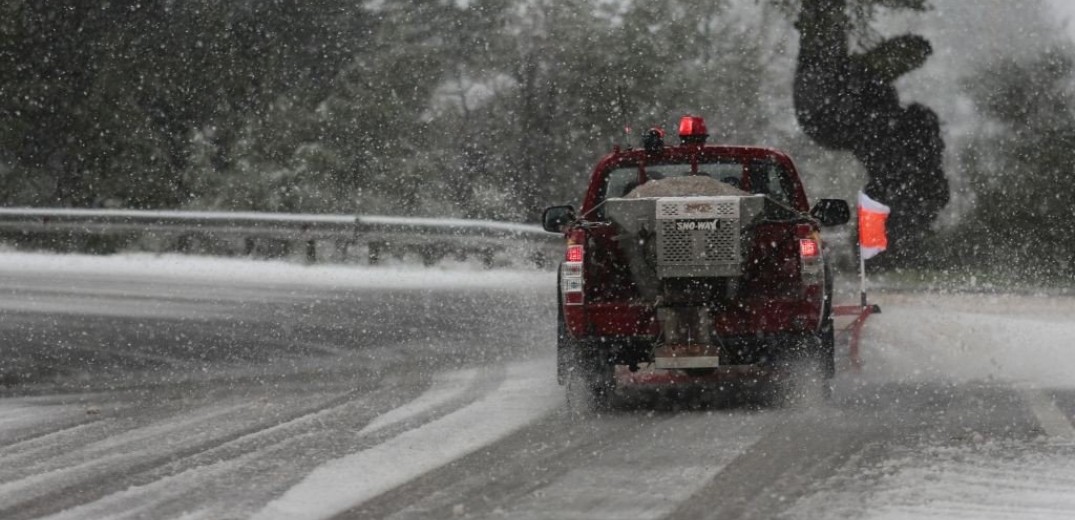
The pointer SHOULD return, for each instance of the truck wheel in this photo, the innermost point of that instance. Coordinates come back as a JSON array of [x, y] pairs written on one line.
[[808, 369], [590, 382], [827, 352], [587, 394], [828, 330], [564, 348], [583, 369]]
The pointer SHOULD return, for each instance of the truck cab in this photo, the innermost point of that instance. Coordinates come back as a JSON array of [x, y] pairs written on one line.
[[702, 260]]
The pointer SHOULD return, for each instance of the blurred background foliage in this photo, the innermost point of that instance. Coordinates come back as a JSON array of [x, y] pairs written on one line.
[[479, 108]]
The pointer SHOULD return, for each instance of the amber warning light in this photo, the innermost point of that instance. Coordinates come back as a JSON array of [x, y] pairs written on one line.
[[692, 130]]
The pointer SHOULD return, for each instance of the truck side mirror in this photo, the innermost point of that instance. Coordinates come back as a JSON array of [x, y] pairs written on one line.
[[556, 217], [831, 212]]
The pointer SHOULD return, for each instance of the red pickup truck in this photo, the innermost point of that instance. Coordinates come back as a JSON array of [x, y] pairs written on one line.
[[696, 260]]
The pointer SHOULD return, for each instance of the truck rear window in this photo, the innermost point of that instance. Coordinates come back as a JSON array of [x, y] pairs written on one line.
[[766, 177]]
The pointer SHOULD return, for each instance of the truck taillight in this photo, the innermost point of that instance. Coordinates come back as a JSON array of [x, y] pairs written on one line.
[[811, 267], [574, 253], [571, 275]]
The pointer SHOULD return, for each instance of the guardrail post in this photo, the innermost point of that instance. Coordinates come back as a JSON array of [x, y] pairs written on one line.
[[488, 255], [339, 253], [373, 254]]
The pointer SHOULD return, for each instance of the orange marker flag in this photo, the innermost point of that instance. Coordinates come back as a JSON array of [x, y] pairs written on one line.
[[872, 217]]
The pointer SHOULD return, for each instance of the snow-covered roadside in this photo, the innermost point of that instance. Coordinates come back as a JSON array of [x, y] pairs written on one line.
[[991, 481], [1027, 342], [964, 337], [271, 273]]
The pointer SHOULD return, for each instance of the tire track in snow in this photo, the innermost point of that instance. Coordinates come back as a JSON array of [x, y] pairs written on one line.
[[24, 420], [624, 476], [121, 459], [112, 456], [159, 490], [627, 463], [446, 389]]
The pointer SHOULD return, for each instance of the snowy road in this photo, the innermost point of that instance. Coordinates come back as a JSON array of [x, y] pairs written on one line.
[[183, 388]]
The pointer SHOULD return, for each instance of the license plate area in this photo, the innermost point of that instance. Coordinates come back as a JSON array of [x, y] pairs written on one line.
[[671, 357]]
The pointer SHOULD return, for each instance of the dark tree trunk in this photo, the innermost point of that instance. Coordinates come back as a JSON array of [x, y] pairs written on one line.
[[848, 101]]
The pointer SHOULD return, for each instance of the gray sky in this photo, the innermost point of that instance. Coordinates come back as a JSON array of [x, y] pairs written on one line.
[[1066, 10], [968, 36]]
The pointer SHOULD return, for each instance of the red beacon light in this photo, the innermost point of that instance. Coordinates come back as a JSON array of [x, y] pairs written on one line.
[[692, 130]]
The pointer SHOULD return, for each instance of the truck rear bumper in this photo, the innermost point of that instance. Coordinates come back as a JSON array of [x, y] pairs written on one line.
[[764, 317], [686, 356], [650, 375]]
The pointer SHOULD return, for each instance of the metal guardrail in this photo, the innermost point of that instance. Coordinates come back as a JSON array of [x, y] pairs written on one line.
[[430, 238]]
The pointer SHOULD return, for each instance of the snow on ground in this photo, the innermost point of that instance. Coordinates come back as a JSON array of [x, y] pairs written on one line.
[[527, 394], [964, 337], [446, 388], [1025, 341], [272, 273], [24, 413], [926, 337], [990, 481]]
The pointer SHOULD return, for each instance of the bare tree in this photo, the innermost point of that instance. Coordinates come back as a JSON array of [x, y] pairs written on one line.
[[847, 100]]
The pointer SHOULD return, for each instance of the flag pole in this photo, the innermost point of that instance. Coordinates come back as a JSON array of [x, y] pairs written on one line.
[[872, 239], [862, 275]]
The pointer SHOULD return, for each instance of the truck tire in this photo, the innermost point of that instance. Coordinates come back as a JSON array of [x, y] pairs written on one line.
[[827, 352], [828, 329], [587, 376], [582, 369], [564, 346], [807, 371], [826, 355], [590, 384]]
